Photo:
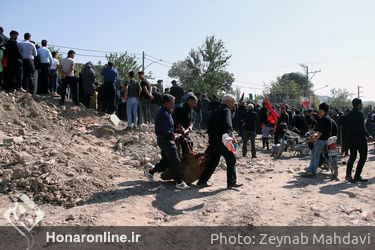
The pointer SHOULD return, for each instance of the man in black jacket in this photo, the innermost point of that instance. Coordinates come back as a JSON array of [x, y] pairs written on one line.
[[357, 140], [15, 63], [300, 122], [219, 124], [178, 93], [185, 115], [248, 121]]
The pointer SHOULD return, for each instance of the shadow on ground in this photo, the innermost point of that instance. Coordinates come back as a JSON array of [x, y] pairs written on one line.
[[166, 195]]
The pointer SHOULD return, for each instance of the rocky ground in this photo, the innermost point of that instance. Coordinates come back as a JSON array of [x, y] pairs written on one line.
[[82, 170]]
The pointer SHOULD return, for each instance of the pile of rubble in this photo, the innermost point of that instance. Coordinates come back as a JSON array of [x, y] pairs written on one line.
[[58, 156]]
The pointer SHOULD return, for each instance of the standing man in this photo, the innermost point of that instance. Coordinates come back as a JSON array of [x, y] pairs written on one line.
[[88, 78], [2, 36], [164, 128], [343, 132], [145, 99], [132, 94], [110, 75], [28, 52], [45, 58], [324, 128], [178, 93], [14, 68], [155, 102], [219, 124], [357, 141], [67, 75], [248, 121]]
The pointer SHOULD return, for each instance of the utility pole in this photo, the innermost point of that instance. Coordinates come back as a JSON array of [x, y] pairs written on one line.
[[308, 79], [359, 91], [143, 61]]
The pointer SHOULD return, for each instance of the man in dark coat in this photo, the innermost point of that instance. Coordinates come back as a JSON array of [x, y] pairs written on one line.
[[357, 140], [219, 124]]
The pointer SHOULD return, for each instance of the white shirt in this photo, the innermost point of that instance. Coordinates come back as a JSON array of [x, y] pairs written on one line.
[[27, 49], [54, 64], [66, 65]]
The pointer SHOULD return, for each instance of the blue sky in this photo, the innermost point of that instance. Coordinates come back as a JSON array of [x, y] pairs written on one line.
[[266, 38]]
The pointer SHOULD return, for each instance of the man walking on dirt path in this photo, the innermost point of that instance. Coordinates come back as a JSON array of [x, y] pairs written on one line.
[[219, 124], [164, 128], [357, 137]]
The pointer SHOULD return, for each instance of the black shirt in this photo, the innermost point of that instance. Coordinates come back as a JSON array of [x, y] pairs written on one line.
[[355, 127], [300, 123], [220, 122], [284, 118], [249, 118], [290, 117], [146, 84], [178, 93], [184, 116], [263, 115], [12, 51], [133, 88], [325, 127], [214, 104], [157, 98], [205, 102]]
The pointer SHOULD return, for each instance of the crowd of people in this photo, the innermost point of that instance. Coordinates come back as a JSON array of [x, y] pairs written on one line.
[[27, 67]]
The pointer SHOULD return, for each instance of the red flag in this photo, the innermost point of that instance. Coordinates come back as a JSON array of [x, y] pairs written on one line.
[[274, 116]]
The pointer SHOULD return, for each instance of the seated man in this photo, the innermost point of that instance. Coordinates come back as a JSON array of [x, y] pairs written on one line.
[[324, 127]]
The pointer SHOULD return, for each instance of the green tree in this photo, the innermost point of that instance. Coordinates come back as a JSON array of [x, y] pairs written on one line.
[[204, 69], [340, 98], [288, 89]]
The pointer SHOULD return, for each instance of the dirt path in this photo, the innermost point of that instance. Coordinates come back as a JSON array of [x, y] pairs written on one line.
[[270, 196]]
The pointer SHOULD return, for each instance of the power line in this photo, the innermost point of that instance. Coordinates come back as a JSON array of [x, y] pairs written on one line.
[[93, 50], [157, 58], [157, 62]]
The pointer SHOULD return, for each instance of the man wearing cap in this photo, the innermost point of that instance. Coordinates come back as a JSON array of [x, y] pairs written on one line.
[[110, 75], [15, 63], [67, 74], [248, 121], [28, 52]]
